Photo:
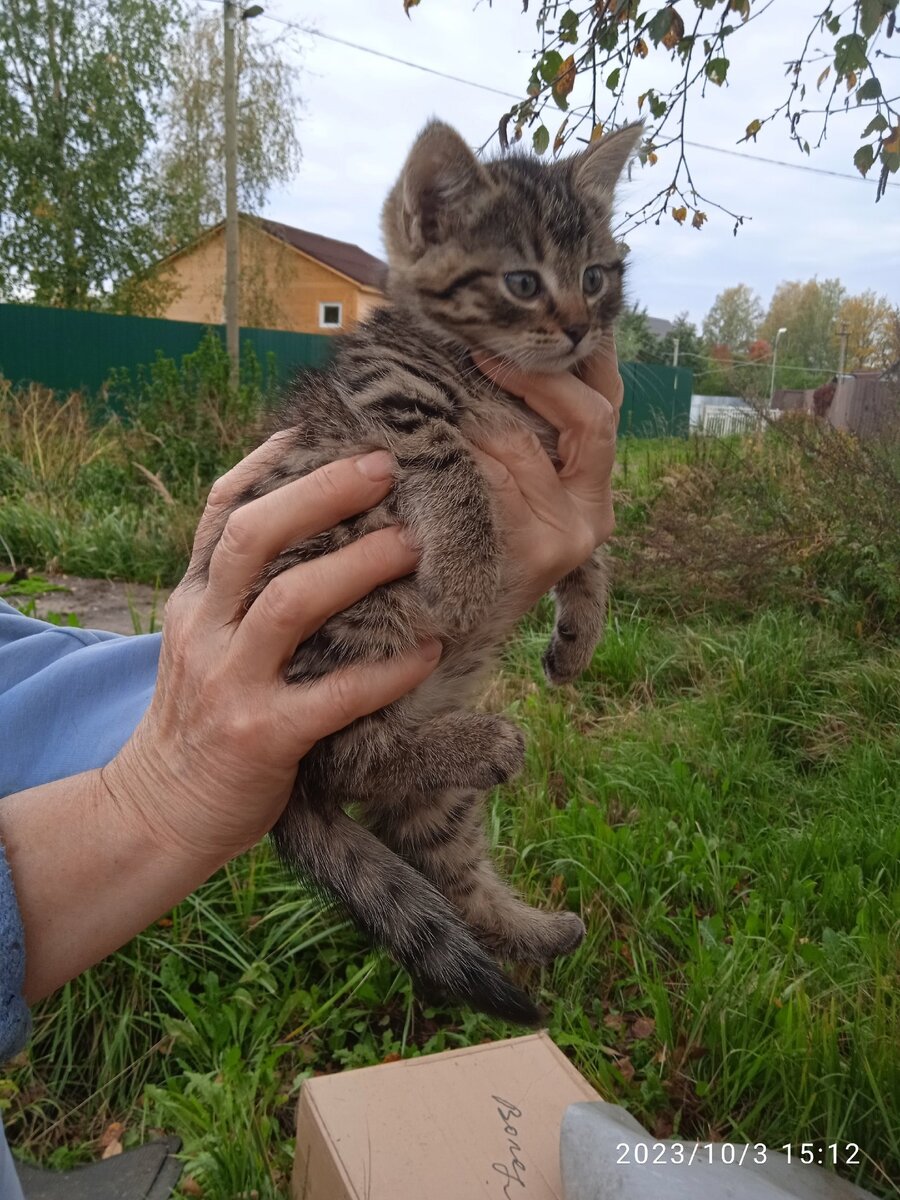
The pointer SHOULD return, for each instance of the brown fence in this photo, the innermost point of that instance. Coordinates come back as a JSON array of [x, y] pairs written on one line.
[[866, 405]]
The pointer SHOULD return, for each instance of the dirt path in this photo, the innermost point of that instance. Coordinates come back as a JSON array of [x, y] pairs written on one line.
[[105, 604]]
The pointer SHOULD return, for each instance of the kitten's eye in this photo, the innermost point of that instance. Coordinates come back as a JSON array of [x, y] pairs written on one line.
[[592, 280], [524, 285]]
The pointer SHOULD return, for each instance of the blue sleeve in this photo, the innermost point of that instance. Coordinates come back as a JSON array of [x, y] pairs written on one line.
[[15, 1022], [69, 700], [10, 1188]]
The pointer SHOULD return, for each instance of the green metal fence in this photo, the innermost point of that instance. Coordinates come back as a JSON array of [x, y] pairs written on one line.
[[657, 400], [72, 350]]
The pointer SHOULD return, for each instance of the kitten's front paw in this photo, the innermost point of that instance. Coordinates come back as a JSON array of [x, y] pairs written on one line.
[[505, 753], [567, 657]]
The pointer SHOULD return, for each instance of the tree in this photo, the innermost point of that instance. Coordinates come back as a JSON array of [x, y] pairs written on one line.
[[582, 69], [690, 345], [193, 133], [733, 320], [871, 324], [808, 311], [635, 340], [80, 84]]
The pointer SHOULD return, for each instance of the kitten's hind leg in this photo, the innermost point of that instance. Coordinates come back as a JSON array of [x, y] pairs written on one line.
[[456, 750], [391, 902], [443, 836], [580, 617]]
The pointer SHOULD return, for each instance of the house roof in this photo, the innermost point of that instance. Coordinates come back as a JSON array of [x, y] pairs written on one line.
[[345, 257], [659, 326]]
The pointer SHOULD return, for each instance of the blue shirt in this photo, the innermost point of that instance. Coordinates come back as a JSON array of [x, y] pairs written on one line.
[[69, 700]]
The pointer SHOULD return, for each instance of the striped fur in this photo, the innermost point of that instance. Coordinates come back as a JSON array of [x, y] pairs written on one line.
[[386, 816]]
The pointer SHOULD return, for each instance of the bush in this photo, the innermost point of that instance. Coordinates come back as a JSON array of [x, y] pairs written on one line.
[[800, 514], [188, 425], [116, 489]]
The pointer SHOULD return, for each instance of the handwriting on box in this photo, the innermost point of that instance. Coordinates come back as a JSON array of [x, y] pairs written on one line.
[[513, 1169]]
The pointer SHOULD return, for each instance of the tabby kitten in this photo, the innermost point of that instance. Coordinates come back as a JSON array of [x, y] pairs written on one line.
[[515, 257]]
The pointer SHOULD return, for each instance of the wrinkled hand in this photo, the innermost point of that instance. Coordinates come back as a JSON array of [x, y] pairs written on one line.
[[213, 762], [556, 519]]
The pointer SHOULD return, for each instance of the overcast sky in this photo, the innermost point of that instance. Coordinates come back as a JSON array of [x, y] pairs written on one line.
[[361, 114]]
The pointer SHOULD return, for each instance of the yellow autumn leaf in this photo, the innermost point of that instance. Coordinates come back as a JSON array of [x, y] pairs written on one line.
[[679, 214], [892, 144], [652, 158], [851, 81], [565, 77], [641, 49], [597, 132], [823, 77], [641, 98], [111, 1139], [560, 138], [698, 219], [675, 32]]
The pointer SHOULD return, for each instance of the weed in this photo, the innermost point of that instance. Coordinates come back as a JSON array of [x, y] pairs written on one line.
[[718, 799], [120, 496], [801, 514]]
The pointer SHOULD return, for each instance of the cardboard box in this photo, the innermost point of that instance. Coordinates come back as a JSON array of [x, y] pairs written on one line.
[[475, 1124]]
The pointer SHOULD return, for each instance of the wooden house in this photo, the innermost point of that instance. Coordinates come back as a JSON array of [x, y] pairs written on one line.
[[290, 279]]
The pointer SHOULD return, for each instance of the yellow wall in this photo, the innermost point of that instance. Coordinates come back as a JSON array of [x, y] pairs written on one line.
[[281, 288]]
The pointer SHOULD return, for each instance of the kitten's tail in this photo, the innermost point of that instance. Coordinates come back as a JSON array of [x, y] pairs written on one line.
[[395, 907]]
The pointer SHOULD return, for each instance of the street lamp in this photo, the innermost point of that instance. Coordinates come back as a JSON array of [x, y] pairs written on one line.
[[782, 330]]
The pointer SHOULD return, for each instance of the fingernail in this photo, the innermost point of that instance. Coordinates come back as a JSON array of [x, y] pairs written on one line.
[[377, 465], [431, 650]]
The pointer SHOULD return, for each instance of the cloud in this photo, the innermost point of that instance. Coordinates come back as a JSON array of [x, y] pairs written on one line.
[[363, 112]]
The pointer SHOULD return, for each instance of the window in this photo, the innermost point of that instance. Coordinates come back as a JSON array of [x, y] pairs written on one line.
[[331, 316]]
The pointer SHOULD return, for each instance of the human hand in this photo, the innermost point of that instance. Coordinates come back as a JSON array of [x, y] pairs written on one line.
[[214, 760], [556, 519]]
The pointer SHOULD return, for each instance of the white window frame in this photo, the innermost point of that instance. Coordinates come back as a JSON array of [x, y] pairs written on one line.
[[323, 324]]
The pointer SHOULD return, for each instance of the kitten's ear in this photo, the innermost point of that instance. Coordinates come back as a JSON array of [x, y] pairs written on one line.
[[440, 173], [604, 160]]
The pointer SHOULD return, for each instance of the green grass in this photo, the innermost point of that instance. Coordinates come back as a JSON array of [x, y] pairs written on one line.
[[719, 800], [719, 797]]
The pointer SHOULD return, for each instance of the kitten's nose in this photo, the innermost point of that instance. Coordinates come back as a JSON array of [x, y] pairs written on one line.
[[575, 333]]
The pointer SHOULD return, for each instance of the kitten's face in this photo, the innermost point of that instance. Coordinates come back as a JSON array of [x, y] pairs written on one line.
[[514, 257]]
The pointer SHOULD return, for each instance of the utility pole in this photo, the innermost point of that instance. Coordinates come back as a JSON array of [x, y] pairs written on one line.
[[844, 335], [774, 357], [232, 248]]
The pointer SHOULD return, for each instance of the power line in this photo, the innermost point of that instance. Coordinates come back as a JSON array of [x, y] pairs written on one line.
[[473, 83], [732, 363], [403, 61], [780, 162]]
